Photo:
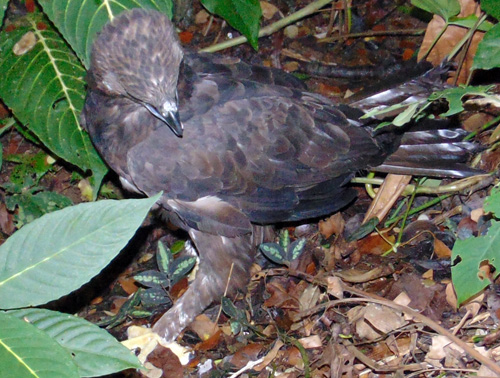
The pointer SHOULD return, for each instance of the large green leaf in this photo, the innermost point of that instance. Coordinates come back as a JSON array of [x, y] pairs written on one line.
[[95, 351], [243, 15], [3, 7], [473, 252], [444, 8], [45, 88], [59, 252], [488, 51], [492, 7], [79, 21], [25, 351]]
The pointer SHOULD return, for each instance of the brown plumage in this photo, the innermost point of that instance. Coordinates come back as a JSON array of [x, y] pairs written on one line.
[[256, 147]]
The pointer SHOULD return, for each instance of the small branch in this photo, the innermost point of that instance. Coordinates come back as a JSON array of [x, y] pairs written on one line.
[[416, 316], [372, 33], [270, 29], [455, 186]]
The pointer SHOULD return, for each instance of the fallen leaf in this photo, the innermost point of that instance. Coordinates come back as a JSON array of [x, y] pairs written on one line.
[[311, 342], [332, 226], [387, 195], [441, 249], [201, 17], [450, 38], [268, 10], [203, 327]]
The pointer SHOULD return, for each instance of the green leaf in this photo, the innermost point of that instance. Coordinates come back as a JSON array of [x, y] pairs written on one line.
[[443, 8], [492, 7], [363, 230], [59, 252], [26, 351], [454, 97], [181, 267], [177, 246], [492, 203], [284, 239], [473, 252], [153, 297], [95, 351], [163, 258], [296, 249], [407, 115], [469, 22], [3, 7], [126, 310], [45, 88], [152, 278], [274, 252], [33, 206], [229, 308], [243, 15], [80, 21], [488, 51]]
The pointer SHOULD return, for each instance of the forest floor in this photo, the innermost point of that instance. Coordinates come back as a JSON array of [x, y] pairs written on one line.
[[379, 305]]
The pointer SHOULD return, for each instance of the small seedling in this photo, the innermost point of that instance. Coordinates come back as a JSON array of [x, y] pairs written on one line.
[[170, 271], [283, 252]]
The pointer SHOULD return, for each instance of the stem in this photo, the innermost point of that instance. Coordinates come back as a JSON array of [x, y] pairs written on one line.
[[484, 127], [426, 205], [452, 187], [270, 29]]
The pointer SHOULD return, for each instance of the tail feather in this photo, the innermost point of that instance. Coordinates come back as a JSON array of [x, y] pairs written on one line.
[[441, 153]]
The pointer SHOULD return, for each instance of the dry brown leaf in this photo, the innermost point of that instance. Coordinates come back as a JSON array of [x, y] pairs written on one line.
[[311, 342], [383, 318], [128, 284], [309, 297], [270, 356], [387, 195], [201, 17], [450, 38], [203, 327], [332, 226], [211, 343], [476, 214], [117, 304], [334, 287], [374, 244], [441, 249], [402, 299], [359, 276], [268, 10], [248, 353]]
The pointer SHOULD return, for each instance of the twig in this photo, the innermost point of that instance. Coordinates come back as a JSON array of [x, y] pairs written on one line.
[[455, 186], [270, 29], [373, 33], [417, 316]]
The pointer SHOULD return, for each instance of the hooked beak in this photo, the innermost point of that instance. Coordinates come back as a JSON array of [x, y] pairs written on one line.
[[171, 118]]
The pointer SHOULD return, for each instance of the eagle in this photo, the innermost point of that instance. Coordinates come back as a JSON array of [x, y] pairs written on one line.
[[235, 148]]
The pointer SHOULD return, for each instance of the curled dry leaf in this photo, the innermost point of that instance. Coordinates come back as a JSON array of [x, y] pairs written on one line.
[[332, 226], [387, 195]]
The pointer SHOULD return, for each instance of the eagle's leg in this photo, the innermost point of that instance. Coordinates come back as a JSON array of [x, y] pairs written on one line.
[[217, 255]]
